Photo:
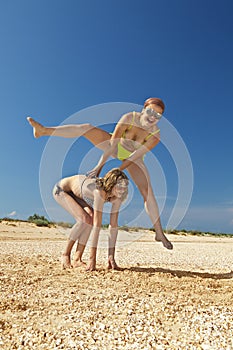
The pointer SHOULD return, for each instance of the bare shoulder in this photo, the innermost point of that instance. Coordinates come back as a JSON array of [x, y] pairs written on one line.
[[122, 125], [99, 194], [126, 118]]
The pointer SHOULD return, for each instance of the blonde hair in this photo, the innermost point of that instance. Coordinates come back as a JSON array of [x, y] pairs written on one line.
[[109, 180]]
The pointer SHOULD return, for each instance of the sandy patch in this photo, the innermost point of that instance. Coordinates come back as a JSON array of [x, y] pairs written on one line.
[[180, 299]]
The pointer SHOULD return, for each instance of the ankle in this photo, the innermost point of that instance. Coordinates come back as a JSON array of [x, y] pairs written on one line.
[[92, 258], [77, 259]]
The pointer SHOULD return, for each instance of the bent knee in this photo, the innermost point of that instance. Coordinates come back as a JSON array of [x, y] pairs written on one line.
[[90, 220], [87, 127], [57, 192], [87, 219]]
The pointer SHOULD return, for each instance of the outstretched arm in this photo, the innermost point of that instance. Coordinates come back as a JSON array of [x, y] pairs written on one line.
[[120, 128], [109, 151], [97, 222]]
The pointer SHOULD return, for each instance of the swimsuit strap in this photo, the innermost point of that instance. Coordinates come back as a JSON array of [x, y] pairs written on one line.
[[81, 189], [148, 136], [131, 125], [151, 134]]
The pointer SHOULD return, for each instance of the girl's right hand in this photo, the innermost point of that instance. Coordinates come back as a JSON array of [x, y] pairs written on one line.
[[92, 174]]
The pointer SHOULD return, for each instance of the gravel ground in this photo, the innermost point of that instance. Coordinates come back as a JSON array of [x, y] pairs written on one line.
[[180, 299]]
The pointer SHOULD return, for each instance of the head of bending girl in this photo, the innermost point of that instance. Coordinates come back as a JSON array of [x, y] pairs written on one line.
[[114, 183]]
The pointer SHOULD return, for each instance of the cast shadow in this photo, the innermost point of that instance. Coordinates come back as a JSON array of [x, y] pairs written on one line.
[[182, 273]]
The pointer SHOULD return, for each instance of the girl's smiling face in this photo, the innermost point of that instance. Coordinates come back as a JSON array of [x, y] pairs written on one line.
[[120, 190], [150, 115]]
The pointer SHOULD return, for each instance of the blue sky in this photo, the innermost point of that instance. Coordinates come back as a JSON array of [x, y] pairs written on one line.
[[61, 57]]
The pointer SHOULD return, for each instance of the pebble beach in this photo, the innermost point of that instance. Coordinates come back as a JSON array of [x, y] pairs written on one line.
[[179, 299]]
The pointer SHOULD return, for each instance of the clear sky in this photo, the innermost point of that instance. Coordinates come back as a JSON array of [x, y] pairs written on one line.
[[60, 57]]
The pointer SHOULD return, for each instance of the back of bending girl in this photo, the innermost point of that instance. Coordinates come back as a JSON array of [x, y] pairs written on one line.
[[135, 134], [84, 199]]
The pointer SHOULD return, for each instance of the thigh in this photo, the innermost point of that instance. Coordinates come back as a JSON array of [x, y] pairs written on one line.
[[98, 137], [76, 207], [140, 175]]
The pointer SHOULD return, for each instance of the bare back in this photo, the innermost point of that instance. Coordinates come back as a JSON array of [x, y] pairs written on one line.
[[80, 185]]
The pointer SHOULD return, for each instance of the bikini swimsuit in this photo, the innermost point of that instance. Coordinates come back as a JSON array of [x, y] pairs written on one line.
[[89, 201], [123, 153]]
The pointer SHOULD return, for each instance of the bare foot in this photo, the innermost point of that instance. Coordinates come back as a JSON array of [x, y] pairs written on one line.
[[65, 262], [38, 129], [91, 266], [112, 265], [162, 238], [78, 263]]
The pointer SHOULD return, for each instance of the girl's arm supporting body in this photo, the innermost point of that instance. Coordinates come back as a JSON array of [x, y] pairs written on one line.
[[97, 222], [113, 227]]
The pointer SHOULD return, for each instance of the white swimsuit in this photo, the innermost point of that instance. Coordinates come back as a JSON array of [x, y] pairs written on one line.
[[89, 201]]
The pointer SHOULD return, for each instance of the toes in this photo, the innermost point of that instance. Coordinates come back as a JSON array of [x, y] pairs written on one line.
[[30, 120], [168, 245], [79, 264], [65, 263], [113, 266]]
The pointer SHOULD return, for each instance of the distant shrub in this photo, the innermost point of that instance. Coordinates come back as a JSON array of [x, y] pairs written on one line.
[[9, 219], [63, 224], [125, 228], [39, 220], [105, 226]]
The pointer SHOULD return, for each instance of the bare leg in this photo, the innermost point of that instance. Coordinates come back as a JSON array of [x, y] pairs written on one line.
[[95, 135], [81, 228], [92, 260], [80, 231], [111, 260], [65, 259], [111, 248], [93, 250], [77, 261], [140, 176]]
